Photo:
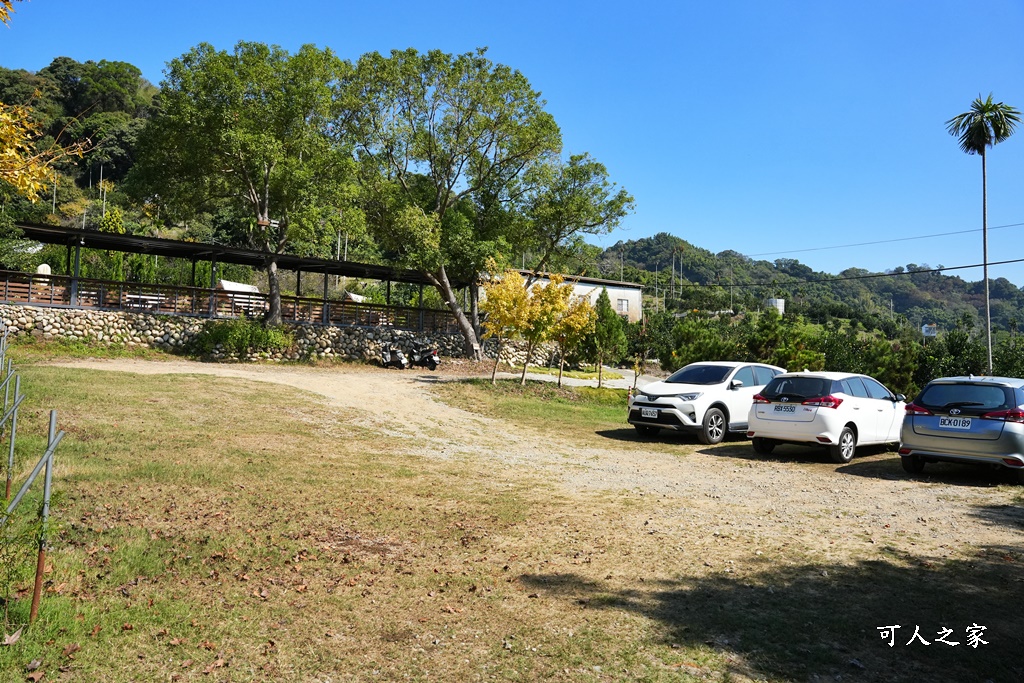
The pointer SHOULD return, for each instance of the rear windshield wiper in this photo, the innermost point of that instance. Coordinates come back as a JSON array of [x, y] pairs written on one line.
[[963, 404]]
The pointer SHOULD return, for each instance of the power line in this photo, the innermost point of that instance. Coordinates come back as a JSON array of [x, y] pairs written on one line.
[[853, 277], [868, 244]]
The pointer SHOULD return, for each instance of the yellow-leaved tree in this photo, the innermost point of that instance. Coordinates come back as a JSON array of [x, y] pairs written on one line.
[[545, 307], [22, 166], [505, 304]]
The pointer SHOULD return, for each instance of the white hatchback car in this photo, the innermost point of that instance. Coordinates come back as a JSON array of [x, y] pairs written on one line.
[[835, 409], [708, 399]]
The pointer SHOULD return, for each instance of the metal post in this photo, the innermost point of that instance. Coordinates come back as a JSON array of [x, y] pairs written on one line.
[[74, 278], [298, 283], [41, 559], [388, 299], [421, 307], [325, 315], [14, 433], [213, 285]]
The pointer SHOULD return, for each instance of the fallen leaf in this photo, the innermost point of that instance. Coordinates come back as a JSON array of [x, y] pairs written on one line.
[[207, 645], [178, 641], [34, 664], [187, 662], [71, 648], [95, 630], [12, 638], [36, 676], [216, 665], [127, 627]]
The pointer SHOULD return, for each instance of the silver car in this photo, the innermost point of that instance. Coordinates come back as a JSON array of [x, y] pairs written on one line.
[[977, 420]]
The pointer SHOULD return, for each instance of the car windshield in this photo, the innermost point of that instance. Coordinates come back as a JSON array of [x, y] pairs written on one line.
[[980, 396], [797, 387], [700, 374]]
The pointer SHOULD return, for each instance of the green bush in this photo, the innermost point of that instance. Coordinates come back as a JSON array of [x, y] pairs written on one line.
[[241, 336]]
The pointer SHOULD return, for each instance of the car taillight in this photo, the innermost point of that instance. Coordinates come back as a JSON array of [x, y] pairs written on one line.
[[1011, 415], [758, 398], [824, 402], [914, 409]]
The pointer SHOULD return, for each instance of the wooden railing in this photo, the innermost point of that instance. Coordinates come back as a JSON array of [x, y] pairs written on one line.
[[64, 291]]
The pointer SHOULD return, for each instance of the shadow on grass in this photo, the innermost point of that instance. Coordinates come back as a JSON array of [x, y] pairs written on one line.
[[819, 622]]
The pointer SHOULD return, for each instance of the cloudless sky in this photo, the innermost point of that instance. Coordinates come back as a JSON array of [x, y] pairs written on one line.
[[775, 129]]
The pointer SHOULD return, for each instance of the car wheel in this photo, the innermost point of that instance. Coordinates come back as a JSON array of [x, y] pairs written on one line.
[[644, 430], [762, 445], [843, 451], [913, 464], [712, 430], [1020, 477]]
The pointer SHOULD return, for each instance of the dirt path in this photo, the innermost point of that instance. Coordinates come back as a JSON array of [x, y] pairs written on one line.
[[840, 513]]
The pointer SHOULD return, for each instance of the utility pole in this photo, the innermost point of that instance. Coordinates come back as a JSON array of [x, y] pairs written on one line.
[[673, 273]]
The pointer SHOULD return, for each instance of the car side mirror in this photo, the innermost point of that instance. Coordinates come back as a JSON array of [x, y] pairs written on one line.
[[900, 397], [736, 384]]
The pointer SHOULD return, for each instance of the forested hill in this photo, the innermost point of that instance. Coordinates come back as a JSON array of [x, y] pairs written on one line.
[[737, 281]]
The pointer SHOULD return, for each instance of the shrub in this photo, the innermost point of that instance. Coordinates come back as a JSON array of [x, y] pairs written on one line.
[[241, 336]]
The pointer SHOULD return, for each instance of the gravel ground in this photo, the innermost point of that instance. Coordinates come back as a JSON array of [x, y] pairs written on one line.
[[796, 494]]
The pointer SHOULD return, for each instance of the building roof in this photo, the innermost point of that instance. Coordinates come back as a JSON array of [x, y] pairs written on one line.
[[586, 280], [198, 251]]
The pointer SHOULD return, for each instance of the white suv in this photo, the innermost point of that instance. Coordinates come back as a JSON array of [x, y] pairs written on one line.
[[708, 399]]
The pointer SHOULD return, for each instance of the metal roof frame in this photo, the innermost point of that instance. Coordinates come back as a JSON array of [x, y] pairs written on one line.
[[198, 251]]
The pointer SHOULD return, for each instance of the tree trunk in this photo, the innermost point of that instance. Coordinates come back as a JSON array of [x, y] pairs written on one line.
[[984, 250], [561, 364], [497, 358], [526, 363], [600, 366], [273, 316], [440, 281], [474, 308]]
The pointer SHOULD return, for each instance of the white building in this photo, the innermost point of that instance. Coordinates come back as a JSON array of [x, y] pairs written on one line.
[[626, 297]]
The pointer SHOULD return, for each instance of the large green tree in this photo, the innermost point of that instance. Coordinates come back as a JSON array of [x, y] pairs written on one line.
[[570, 199], [985, 124], [258, 128], [437, 131]]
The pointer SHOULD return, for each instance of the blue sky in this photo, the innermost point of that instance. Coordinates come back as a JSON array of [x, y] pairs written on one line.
[[769, 128]]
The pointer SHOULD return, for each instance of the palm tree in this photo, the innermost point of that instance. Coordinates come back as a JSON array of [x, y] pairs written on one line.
[[986, 124]]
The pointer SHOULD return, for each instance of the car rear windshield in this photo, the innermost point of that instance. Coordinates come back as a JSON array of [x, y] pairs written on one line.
[[797, 387], [979, 396], [700, 374]]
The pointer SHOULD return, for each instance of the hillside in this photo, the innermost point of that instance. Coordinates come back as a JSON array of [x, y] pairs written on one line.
[[731, 280]]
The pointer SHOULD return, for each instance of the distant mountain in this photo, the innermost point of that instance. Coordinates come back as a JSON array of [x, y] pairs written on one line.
[[686, 276]]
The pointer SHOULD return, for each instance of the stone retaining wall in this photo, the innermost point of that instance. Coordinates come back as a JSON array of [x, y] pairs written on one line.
[[173, 333]]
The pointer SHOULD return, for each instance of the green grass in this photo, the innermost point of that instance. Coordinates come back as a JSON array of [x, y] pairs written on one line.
[[541, 405], [227, 530], [575, 374]]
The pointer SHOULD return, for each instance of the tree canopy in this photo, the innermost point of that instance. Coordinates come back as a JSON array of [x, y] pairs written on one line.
[[258, 129]]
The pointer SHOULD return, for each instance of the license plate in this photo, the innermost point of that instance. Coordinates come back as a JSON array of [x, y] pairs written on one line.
[[954, 423], [649, 413], [783, 408]]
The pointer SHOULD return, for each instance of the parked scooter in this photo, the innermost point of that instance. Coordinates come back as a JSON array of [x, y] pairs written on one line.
[[425, 356], [392, 357]]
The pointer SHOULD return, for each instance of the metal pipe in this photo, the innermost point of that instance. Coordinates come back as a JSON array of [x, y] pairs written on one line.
[[37, 591], [31, 478]]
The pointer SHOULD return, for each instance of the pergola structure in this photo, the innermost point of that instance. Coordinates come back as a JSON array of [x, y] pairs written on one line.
[[166, 299]]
